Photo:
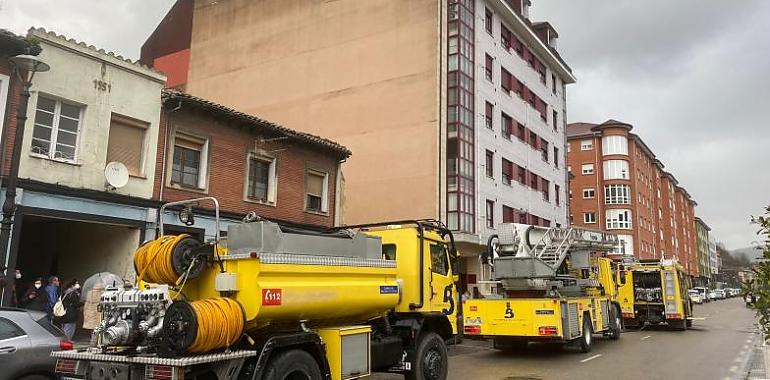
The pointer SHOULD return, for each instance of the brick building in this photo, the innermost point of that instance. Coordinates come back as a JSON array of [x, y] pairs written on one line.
[[618, 184], [248, 164], [455, 109]]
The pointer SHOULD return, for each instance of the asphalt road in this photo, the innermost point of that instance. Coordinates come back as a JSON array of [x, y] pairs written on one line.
[[716, 347]]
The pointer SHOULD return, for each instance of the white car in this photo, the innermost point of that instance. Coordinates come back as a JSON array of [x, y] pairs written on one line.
[[695, 296], [713, 295]]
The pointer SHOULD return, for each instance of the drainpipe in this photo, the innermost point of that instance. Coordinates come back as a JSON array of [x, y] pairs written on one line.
[[338, 194], [164, 155]]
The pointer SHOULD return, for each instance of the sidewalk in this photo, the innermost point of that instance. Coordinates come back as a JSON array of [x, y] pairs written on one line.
[[758, 361]]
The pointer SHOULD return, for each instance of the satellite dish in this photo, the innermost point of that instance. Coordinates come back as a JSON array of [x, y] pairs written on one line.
[[116, 175]]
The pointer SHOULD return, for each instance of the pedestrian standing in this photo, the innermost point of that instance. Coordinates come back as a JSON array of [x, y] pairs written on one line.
[[72, 305], [52, 294], [35, 297]]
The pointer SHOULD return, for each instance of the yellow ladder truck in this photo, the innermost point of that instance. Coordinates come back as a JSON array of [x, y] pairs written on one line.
[[654, 292], [555, 288], [273, 302]]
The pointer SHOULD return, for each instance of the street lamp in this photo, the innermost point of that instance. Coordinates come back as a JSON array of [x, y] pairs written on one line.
[[25, 67]]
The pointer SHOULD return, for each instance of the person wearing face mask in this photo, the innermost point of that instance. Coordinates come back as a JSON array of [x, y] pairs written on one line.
[[72, 305], [35, 297]]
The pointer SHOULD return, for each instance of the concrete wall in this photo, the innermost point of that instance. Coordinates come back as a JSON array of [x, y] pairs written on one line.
[[363, 73], [520, 197], [133, 92]]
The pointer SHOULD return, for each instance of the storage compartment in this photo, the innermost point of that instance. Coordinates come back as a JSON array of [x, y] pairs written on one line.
[[348, 351]]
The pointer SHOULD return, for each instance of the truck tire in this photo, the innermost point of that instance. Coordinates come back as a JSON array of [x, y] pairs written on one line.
[[616, 324], [431, 361], [680, 325], [586, 341], [292, 365]]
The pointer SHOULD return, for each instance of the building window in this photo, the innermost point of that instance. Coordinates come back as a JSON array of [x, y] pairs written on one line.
[[533, 139], [587, 169], [57, 125], [490, 109], [505, 80], [523, 218], [488, 20], [617, 194], [522, 175], [490, 164], [509, 215], [615, 169], [614, 145], [490, 214], [589, 217], [126, 144], [546, 189], [544, 149], [556, 194], [488, 67], [556, 157], [188, 167], [589, 193], [507, 126], [534, 181], [586, 145], [521, 132], [554, 120], [618, 219], [505, 37], [260, 184], [553, 84], [316, 190], [507, 171]]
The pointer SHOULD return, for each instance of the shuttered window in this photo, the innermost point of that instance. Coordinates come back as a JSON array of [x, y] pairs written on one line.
[[316, 186], [126, 144]]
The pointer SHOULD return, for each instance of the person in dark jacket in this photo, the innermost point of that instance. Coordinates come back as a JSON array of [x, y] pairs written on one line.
[[35, 297], [72, 305], [52, 293]]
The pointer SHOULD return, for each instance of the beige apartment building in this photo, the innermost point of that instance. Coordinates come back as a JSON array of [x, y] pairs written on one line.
[[427, 94]]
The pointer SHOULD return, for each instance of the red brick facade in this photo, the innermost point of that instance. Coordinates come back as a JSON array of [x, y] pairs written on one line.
[[230, 143], [661, 215]]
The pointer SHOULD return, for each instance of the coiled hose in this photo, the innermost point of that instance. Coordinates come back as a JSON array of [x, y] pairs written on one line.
[[153, 260], [204, 325]]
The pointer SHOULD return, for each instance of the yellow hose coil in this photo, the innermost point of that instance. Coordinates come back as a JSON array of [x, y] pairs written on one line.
[[153, 260], [220, 324]]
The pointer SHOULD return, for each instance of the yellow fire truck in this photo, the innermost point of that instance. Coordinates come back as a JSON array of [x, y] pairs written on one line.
[[275, 302], [654, 292], [554, 288]]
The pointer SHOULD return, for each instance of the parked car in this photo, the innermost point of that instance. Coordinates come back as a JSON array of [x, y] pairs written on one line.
[[713, 294], [703, 292], [695, 296], [720, 294], [27, 339]]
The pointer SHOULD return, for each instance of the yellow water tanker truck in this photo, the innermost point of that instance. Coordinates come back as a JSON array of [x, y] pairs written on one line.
[[554, 288], [276, 302], [654, 292]]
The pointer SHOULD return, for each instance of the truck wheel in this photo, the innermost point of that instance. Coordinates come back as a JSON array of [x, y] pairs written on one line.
[[680, 325], [430, 360], [587, 340], [292, 365], [616, 324]]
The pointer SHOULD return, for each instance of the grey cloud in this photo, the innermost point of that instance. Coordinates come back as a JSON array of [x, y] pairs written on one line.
[[691, 76]]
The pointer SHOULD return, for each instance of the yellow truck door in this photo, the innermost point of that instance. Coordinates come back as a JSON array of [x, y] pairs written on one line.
[[442, 294]]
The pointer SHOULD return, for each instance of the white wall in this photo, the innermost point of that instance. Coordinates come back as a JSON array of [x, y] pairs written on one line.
[[515, 195], [134, 91]]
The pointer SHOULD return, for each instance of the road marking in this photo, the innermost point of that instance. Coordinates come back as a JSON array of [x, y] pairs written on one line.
[[734, 368], [646, 337], [591, 358]]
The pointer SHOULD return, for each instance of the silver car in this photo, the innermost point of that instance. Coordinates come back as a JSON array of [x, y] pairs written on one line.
[[26, 342]]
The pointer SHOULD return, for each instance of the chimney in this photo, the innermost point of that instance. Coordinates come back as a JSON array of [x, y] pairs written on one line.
[[525, 4]]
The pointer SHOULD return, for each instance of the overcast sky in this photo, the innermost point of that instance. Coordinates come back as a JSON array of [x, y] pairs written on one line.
[[690, 75]]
